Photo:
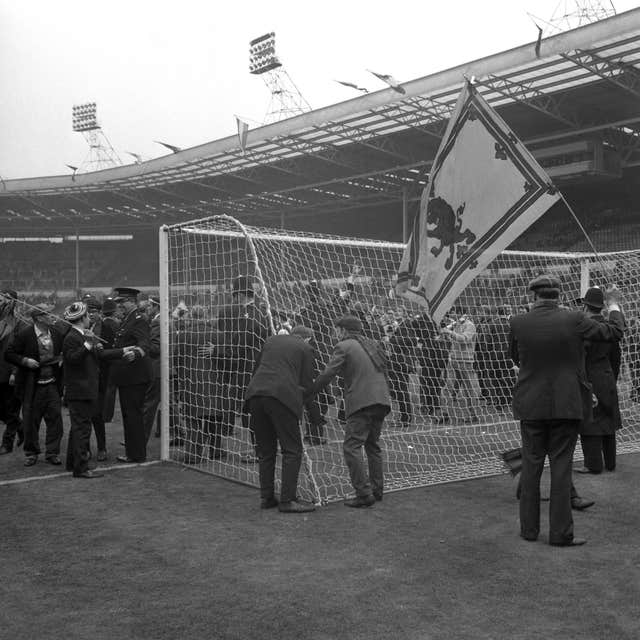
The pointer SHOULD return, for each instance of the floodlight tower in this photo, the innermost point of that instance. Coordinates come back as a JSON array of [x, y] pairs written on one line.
[[101, 154], [286, 99], [570, 14]]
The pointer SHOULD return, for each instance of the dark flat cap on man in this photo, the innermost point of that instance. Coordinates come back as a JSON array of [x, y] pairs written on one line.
[[75, 311], [302, 331], [350, 323], [546, 282], [125, 293], [109, 305], [593, 298], [243, 284], [92, 302], [41, 309]]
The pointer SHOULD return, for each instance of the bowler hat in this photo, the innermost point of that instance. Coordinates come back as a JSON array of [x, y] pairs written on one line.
[[242, 284], [350, 323], [593, 298], [91, 302], [75, 311], [109, 305], [546, 282], [125, 293]]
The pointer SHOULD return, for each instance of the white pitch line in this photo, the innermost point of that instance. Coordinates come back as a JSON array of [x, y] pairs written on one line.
[[68, 473]]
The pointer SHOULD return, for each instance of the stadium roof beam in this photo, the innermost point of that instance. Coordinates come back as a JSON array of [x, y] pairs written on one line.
[[618, 72]]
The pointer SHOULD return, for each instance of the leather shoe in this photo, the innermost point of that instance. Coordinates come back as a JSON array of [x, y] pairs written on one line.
[[584, 470], [580, 504], [30, 461], [575, 542], [128, 460], [296, 507], [88, 474], [360, 501], [4, 450], [268, 503], [101, 456], [54, 460]]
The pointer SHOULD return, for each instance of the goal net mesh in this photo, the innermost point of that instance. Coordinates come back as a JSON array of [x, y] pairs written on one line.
[[308, 279]]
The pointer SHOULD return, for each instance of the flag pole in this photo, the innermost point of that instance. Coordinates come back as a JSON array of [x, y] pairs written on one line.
[[584, 231]]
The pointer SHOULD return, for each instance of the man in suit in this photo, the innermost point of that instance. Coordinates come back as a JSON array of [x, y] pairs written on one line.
[[152, 395], [132, 377], [551, 397], [36, 353], [362, 365], [598, 435], [10, 324], [284, 372], [81, 351]]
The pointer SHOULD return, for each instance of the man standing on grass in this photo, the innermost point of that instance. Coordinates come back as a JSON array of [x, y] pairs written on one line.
[[551, 398], [284, 373], [362, 365]]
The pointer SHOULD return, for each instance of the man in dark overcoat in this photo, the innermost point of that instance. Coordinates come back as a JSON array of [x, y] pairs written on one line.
[[275, 397], [598, 435], [36, 352], [81, 351], [132, 374], [551, 398], [152, 396]]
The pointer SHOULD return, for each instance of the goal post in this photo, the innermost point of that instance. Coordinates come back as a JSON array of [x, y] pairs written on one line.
[[302, 278]]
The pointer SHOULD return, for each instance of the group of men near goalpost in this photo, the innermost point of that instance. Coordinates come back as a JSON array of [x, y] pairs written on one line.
[[552, 398]]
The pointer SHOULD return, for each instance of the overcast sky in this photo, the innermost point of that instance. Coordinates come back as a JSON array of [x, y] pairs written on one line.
[[178, 71]]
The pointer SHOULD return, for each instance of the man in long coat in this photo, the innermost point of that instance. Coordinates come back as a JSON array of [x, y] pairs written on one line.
[[551, 398]]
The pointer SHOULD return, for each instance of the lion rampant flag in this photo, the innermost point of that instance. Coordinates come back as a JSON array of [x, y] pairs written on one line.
[[484, 190]]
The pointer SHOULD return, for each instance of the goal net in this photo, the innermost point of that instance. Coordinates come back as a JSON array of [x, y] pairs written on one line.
[[309, 279]]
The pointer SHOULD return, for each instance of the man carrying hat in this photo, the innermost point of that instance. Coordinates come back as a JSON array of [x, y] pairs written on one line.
[[36, 352], [81, 352], [133, 374], [551, 398], [362, 365], [10, 324], [602, 361]]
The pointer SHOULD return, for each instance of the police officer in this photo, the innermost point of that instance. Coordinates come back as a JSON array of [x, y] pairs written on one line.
[[132, 375]]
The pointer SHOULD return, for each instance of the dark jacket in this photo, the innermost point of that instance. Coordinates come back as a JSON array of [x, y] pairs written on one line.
[[364, 385], [548, 345], [154, 346], [284, 371], [81, 365], [134, 331], [600, 362], [25, 345]]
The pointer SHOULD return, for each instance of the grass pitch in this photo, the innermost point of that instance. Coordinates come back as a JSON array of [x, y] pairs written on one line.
[[165, 552]]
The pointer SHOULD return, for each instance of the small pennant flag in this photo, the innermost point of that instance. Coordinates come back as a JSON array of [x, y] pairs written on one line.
[[136, 156], [485, 189], [353, 86], [390, 80], [172, 147], [243, 132]]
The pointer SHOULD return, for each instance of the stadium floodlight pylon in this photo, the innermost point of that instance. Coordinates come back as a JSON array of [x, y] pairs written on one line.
[[286, 100], [101, 153], [312, 279]]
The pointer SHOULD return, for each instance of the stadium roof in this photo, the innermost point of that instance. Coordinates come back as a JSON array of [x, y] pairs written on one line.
[[368, 152]]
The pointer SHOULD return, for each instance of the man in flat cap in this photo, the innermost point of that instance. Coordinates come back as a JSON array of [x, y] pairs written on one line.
[[275, 397], [10, 324], [152, 395], [81, 352], [36, 353], [245, 328], [551, 397], [132, 375], [362, 365]]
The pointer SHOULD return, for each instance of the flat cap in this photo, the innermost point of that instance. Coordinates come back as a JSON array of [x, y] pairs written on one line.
[[91, 301], [545, 282], [124, 293], [302, 331], [41, 309], [350, 323], [75, 311]]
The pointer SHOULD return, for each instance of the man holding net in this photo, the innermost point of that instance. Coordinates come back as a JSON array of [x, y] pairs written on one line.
[[362, 365], [551, 397]]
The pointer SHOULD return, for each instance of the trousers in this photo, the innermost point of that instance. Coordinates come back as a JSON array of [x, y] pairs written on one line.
[[81, 413], [45, 403], [132, 407]]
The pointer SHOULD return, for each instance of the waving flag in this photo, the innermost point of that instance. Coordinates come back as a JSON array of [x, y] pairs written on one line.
[[484, 190], [390, 80], [243, 132]]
